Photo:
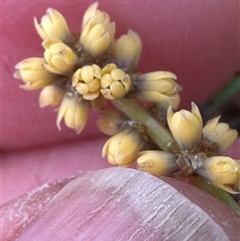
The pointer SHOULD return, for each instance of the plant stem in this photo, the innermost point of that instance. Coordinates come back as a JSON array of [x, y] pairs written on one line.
[[158, 133], [216, 192], [226, 93]]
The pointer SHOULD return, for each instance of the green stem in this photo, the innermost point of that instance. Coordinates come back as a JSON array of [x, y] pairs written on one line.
[[216, 192], [158, 133], [226, 93]]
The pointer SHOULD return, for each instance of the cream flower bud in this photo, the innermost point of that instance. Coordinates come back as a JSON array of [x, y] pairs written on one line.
[[91, 12], [74, 111], [97, 34], [33, 74], [122, 148], [157, 162], [221, 171], [156, 86], [127, 50], [115, 83], [59, 57], [110, 122], [51, 95], [219, 133], [53, 26], [185, 126], [86, 80]]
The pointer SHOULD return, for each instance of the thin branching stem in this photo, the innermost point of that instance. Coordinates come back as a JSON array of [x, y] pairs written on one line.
[[155, 130]]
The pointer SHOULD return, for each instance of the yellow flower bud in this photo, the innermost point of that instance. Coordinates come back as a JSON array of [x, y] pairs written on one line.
[[157, 162], [221, 171], [86, 80], [53, 26], [74, 111], [219, 133], [185, 126], [33, 74], [122, 148], [59, 57], [91, 12], [51, 95], [156, 86], [110, 122], [127, 50], [115, 83], [97, 34]]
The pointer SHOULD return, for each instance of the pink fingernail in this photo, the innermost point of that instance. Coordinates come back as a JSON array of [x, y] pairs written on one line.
[[122, 204]]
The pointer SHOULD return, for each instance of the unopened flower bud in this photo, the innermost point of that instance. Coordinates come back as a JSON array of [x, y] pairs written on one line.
[[127, 50], [59, 57], [91, 12], [74, 111], [157, 162], [33, 74], [219, 133], [97, 34], [110, 122], [185, 126], [115, 83], [86, 80], [53, 26], [156, 86], [51, 95], [221, 171], [122, 148]]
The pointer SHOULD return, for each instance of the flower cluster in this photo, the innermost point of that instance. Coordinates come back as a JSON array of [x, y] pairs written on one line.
[[77, 73], [199, 150], [81, 71]]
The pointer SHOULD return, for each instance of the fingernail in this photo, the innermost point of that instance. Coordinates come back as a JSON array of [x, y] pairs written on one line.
[[123, 204], [17, 214]]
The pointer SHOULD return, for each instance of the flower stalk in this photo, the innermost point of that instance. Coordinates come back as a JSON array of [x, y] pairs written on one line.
[[158, 133]]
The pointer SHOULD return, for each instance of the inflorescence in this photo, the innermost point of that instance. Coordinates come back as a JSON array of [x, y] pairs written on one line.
[[83, 71]]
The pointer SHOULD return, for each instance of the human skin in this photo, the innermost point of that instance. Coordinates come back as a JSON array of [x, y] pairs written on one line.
[[197, 40]]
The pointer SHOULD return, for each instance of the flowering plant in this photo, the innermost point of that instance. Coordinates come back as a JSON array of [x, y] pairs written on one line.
[[87, 70]]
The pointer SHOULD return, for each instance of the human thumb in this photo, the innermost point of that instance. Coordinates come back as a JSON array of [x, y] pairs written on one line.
[[117, 204]]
